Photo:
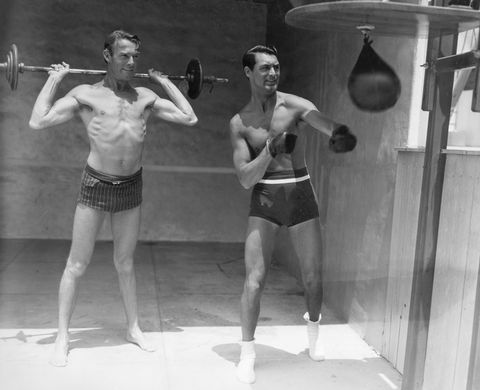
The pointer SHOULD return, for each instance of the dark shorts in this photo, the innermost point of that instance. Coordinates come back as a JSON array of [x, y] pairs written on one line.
[[110, 193], [284, 198]]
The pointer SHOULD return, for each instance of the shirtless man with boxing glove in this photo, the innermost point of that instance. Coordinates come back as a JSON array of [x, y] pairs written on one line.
[[269, 155]]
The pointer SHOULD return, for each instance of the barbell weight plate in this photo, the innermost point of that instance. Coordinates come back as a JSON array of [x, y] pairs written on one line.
[[8, 70], [11, 71], [14, 82], [195, 78]]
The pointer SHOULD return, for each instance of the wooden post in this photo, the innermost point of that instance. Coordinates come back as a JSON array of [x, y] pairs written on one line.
[[429, 215], [476, 91], [429, 84], [476, 87]]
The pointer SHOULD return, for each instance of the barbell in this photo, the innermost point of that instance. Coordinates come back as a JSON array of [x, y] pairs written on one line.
[[193, 74]]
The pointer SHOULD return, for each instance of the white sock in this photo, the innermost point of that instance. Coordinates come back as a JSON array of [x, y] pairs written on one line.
[[245, 368], [315, 342]]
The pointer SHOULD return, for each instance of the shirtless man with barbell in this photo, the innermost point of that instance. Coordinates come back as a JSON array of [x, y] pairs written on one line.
[[115, 116]]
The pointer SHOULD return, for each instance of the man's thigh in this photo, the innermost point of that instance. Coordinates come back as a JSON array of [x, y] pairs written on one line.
[[307, 242], [86, 224], [259, 243], [125, 230]]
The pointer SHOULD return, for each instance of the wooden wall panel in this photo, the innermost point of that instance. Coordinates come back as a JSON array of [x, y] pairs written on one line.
[[402, 253], [455, 279], [473, 382]]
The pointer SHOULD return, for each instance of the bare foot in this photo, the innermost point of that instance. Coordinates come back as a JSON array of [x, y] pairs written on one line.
[[139, 339], [60, 352]]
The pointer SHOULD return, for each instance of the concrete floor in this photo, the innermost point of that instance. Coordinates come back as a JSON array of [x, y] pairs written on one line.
[[188, 303]]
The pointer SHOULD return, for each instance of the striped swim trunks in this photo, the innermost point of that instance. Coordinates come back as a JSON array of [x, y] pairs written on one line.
[[110, 193], [284, 198]]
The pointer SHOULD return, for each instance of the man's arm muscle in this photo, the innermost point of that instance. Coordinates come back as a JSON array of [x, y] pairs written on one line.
[[249, 171]]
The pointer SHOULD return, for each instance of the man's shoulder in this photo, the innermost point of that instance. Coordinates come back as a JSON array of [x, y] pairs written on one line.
[[236, 120], [290, 97], [296, 102], [147, 93], [83, 87], [143, 90]]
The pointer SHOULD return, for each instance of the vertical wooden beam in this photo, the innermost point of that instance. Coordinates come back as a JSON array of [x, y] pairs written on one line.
[[476, 86], [473, 381], [428, 221], [476, 91], [429, 84]]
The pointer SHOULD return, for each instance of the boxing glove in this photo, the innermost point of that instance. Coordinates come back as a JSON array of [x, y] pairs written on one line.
[[342, 140], [281, 143]]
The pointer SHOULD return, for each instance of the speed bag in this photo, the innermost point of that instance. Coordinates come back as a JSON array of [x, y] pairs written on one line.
[[373, 85]]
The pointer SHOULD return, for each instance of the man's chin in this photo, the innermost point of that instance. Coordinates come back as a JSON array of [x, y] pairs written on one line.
[[271, 88], [127, 75]]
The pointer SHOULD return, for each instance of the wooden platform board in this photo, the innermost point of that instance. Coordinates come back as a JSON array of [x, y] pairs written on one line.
[[389, 18]]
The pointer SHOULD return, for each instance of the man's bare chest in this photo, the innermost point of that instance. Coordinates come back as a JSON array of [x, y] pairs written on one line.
[[257, 130], [114, 107], [115, 122]]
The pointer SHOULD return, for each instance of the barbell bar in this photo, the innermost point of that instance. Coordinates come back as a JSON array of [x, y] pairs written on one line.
[[193, 74]]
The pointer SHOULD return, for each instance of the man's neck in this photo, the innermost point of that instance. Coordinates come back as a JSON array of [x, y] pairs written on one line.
[[116, 85], [263, 102]]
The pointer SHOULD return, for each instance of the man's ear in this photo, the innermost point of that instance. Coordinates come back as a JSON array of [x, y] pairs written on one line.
[[247, 71], [107, 55]]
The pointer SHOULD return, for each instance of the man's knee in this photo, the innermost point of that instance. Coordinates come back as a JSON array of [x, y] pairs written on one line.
[[313, 281], [123, 264], [255, 283], [76, 268]]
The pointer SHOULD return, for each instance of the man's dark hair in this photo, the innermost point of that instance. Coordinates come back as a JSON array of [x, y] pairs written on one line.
[[249, 56], [117, 35]]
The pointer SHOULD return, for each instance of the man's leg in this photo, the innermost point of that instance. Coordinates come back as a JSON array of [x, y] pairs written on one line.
[[125, 228], [258, 252], [307, 243], [86, 224]]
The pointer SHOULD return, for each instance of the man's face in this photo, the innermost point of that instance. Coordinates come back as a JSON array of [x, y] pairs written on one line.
[[266, 72], [122, 62]]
